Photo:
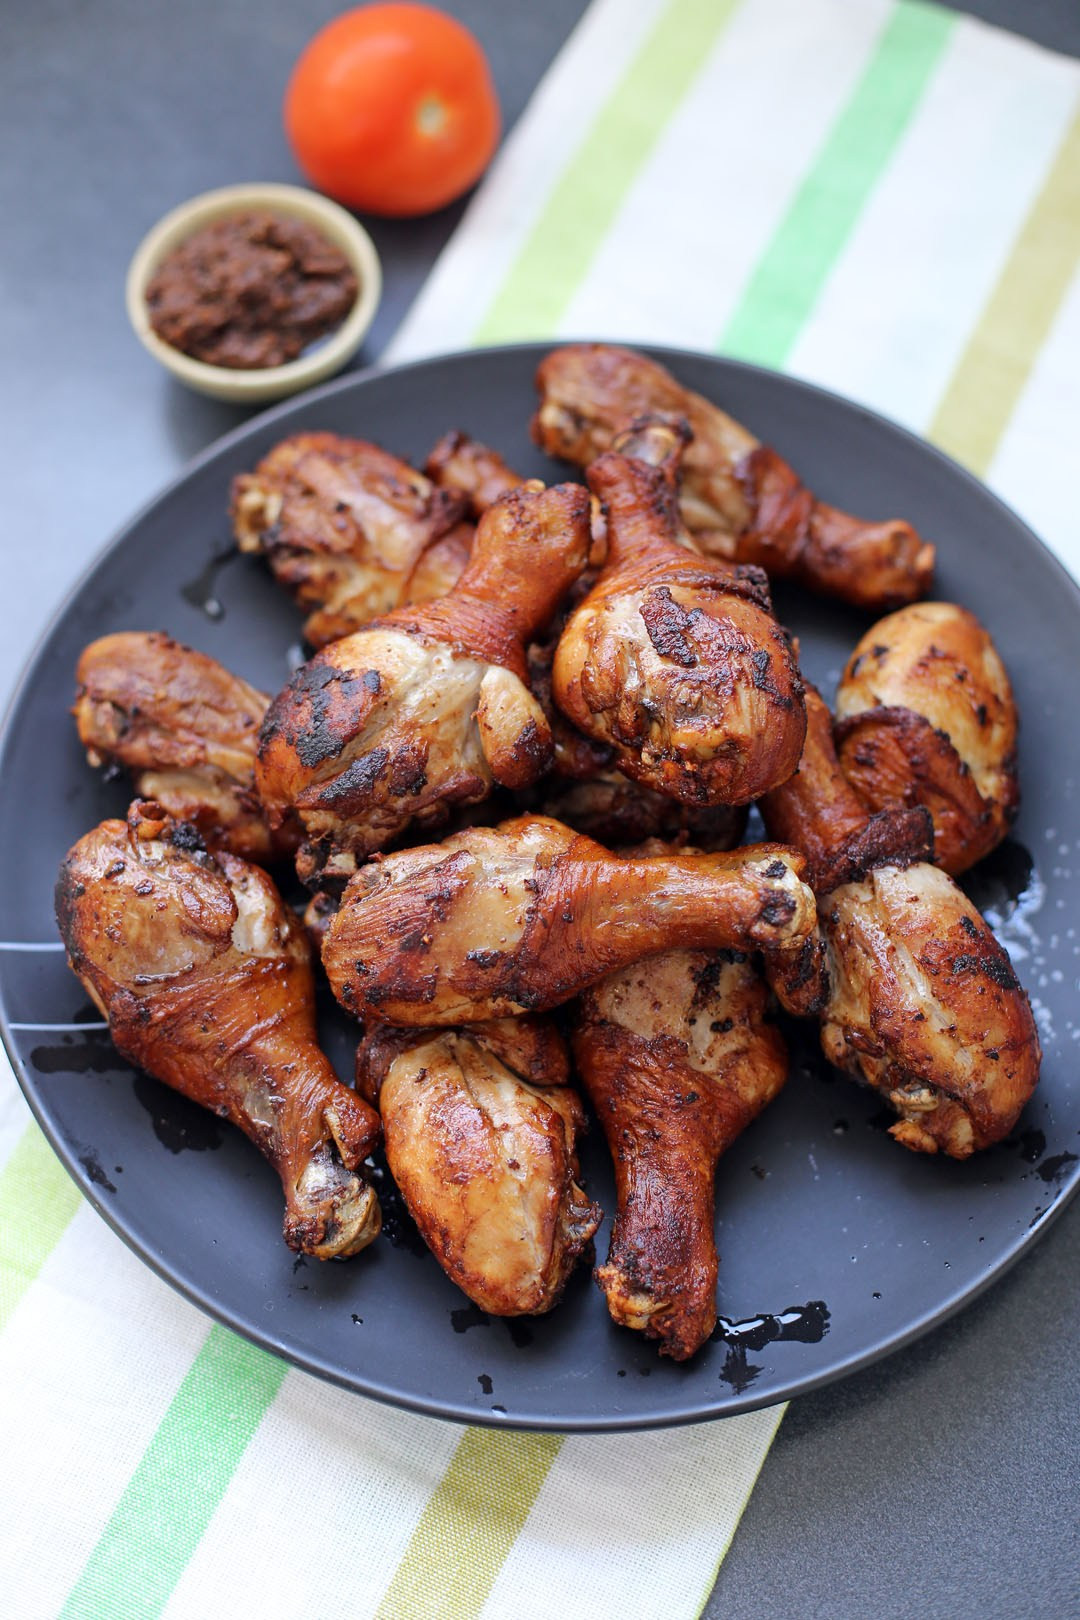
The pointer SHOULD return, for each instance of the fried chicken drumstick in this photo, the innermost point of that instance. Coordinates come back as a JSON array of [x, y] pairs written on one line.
[[186, 729], [674, 661], [740, 500], [677, 1059], [521, 917], [584, 788], [349, 530], [480, 1127], [205, 979], [926, 715], [817, 811], [428, 708], [924, 1005]]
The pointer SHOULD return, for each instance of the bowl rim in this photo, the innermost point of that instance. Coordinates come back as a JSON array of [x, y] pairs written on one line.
[[266, 382]]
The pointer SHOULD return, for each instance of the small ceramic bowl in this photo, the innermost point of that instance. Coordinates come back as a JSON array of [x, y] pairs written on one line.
[[255, 386]]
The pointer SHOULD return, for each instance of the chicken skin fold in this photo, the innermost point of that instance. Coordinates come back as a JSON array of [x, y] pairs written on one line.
[[926, 715], [740, 500], [923, 1003], [186, 729], [817, 811], [349, 530], [521, 917], [677, 1058], [673, 661], [428, 708], [467, 467], [480, 1128], [205, 978]]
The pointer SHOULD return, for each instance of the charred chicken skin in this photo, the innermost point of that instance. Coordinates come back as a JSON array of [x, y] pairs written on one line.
[[521, 917], [673, 661], [926, 716], [349, 530], [740, 500], [586, 789], [480, 1128], [428, 708], [923, 1002], [205, 978], [186, 729], [677, 1058], [817, 811]]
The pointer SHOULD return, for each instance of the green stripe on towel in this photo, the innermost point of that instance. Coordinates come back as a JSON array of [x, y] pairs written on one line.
[[182, 1476], [580, 211], [38, 1200], [795, 266]]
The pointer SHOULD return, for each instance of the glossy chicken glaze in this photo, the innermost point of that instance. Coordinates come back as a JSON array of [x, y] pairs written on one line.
[[522, 917], [186, 729], [925, 1006], [674, 662], [205, 978], [926, 716], [923, 1002], [480, 1130], [467, 467], [816, 811], [677, 1058], [739, 499], [428, 708], [349, 530]]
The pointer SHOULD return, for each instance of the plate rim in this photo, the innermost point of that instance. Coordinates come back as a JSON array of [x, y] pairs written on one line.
[[449, 1410]]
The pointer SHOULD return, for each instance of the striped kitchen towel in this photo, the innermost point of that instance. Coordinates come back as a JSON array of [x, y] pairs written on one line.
[[883, 197]]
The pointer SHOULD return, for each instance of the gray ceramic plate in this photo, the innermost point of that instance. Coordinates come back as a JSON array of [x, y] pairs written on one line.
[[836, 1245]]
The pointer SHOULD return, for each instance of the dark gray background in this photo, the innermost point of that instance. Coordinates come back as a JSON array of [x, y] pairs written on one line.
[[944, 1481]]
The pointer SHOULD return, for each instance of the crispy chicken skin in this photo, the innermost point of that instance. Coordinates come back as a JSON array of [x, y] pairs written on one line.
[[673, 661], [472, 469], [480, 1128], [923, 1003], [816, 811], [186, 729], [524, 916], [586, 789], [739, 499], [345, 527], [205, 978], [677, 1058], [926, 716], [428, 708], [925, 1007]]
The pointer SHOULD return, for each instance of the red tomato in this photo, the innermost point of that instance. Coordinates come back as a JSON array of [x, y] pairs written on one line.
[[391, 109]]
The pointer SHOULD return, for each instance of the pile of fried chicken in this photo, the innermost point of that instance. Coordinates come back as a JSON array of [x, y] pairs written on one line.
[[514, 777]]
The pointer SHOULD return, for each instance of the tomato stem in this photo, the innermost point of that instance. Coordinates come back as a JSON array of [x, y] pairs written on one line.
[[431, 116]]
